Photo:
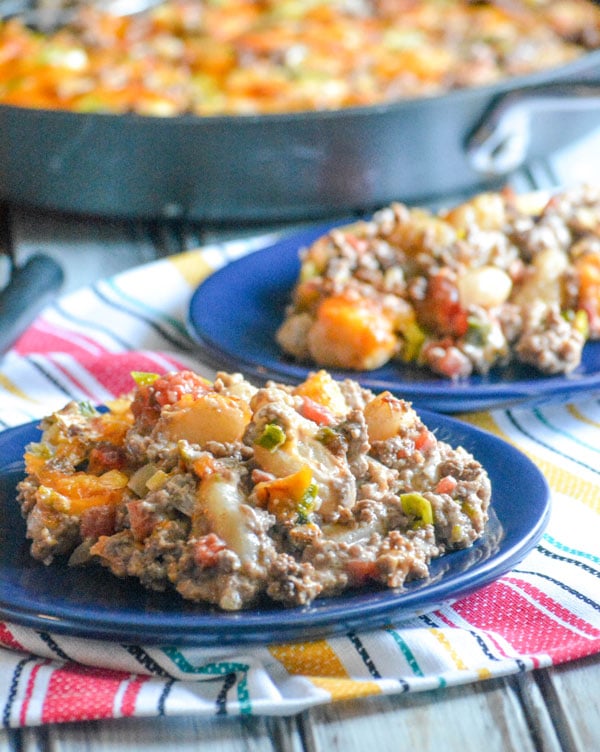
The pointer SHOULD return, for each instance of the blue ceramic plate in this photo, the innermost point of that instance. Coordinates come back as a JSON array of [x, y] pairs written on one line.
[[91, 602], [235, 313]]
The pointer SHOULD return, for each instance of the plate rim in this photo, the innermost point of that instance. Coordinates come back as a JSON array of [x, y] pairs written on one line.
[[327, 617], [439, 394]]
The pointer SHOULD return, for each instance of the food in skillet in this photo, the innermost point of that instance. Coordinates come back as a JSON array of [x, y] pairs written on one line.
[[259, 56], [228, 494], [497, 279]]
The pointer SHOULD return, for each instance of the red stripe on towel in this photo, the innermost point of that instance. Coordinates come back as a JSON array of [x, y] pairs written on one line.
[[43, 338], [7, 638], [29, 692], [526, 627], [79, 693], [131, 694]]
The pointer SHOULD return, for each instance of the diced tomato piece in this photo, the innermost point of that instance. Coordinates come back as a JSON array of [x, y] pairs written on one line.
[[446, 485], [170, 389], [441, 310], [359, 571], [98, 521], [106, 457], [142, 519], [165, 390], [319, 414], [425, 440], [206, 549]]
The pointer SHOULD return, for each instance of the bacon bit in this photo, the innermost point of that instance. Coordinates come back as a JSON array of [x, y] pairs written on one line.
[[98, 521], [106, 457], [171, 388], [142, 520], [206, 549], [319, 414], [359, 571], [446, 485]]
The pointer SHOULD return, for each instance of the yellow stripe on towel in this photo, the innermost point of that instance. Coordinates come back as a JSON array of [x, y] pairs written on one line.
[[483, 673], [559, 479], [320, 664], [346, 689], [578, 415], [310, 658], [192, 266], [13, 389]]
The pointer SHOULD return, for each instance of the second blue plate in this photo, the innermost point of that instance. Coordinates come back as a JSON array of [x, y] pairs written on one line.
[[235, 313]]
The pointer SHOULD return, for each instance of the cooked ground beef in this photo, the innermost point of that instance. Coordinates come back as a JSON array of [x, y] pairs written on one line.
[[227, 493], [454, 292]]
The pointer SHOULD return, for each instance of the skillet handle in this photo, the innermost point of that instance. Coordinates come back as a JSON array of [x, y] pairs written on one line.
[[500, 143], [31, 287]]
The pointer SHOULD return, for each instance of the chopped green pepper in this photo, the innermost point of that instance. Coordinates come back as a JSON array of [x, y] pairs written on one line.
[[325, 434], [468, 509], [87, 409], [137, 482], [307, 504], [582, 323], [413, 337], [157, 480], [272, 437], [478, 331], [579, 320], [417, 506]]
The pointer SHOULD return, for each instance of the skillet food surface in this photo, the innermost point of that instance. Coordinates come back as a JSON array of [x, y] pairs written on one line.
[[241, 57]]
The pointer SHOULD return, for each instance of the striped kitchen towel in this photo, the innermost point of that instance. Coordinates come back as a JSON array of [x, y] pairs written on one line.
[[544, 612]]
